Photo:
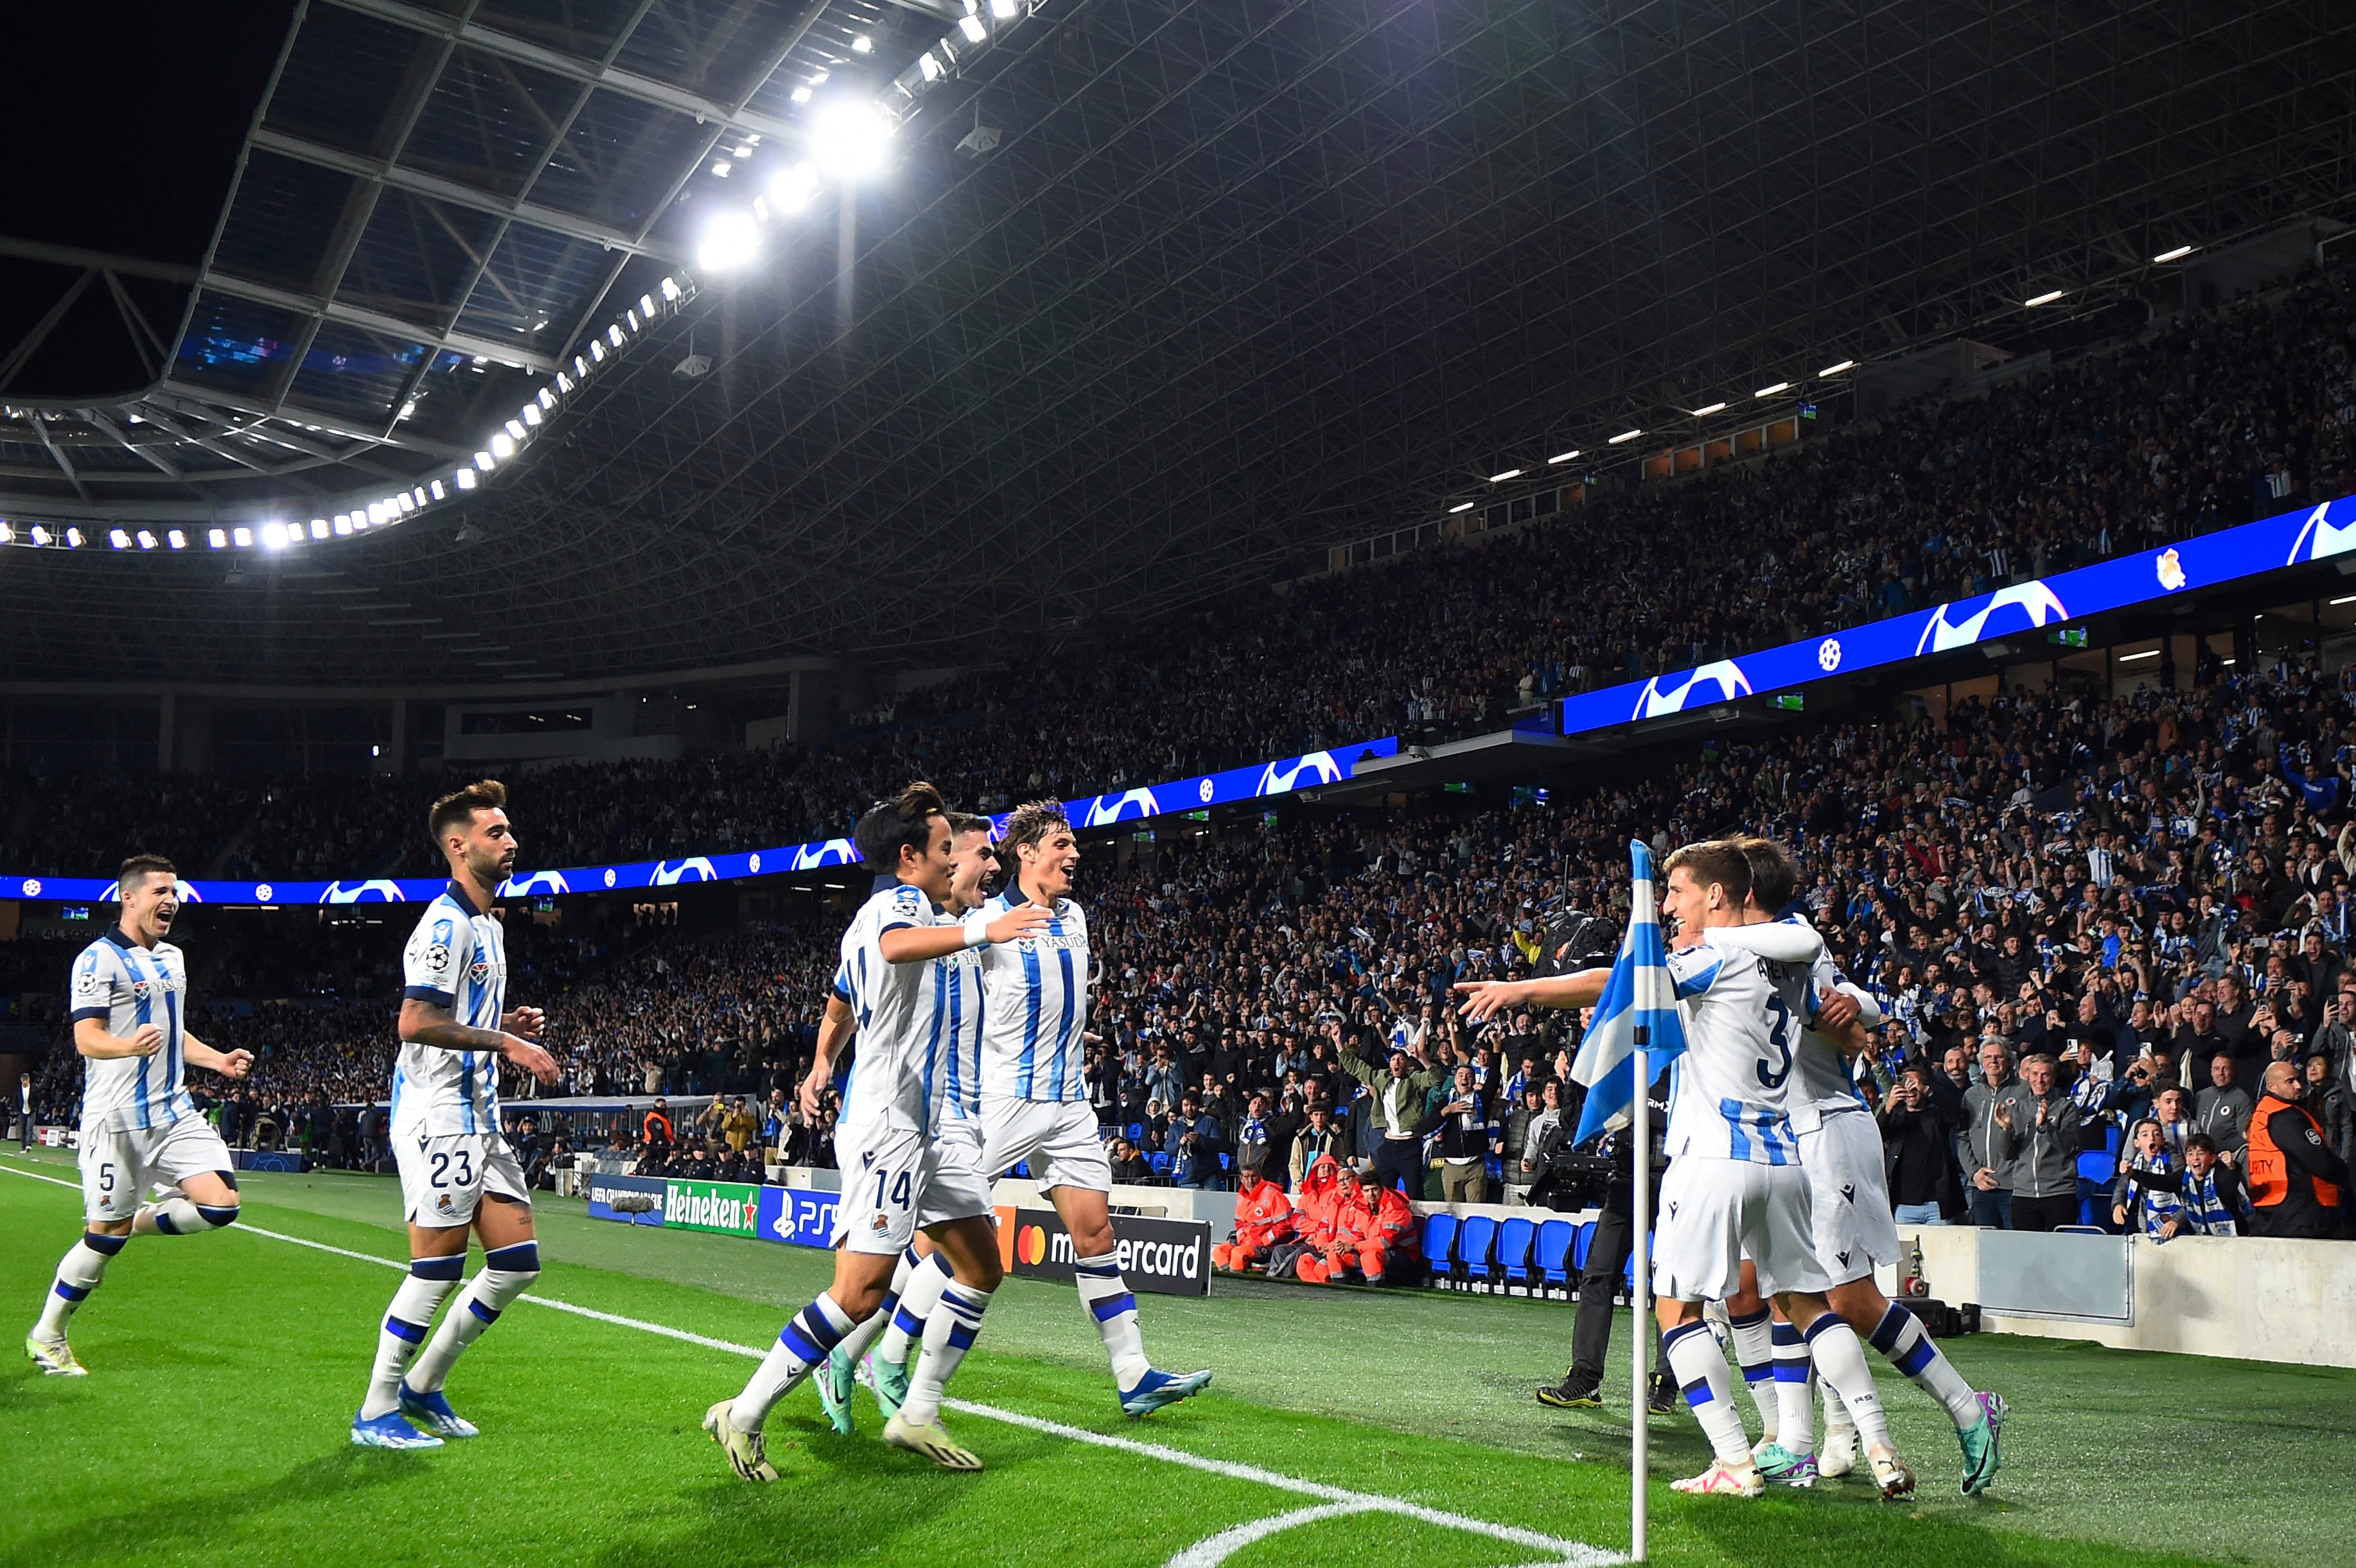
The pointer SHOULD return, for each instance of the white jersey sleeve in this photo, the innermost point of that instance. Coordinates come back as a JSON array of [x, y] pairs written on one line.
[[127, 986], [1729, 1095], [457, 960]]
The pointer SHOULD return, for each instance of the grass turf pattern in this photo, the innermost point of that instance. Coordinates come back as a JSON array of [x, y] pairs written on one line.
[[225, 1369]]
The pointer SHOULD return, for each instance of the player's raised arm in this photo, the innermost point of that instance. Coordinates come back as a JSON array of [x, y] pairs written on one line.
[[918, 944], [425, 1023], [1484, 999]]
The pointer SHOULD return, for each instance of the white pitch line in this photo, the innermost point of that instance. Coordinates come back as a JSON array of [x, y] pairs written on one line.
[[1577, 1554]]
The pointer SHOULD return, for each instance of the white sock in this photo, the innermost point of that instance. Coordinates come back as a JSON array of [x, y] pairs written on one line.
[[917, 1299], [801, 1345], [1699, 1366], [1900, 1338], [1797, 1429], [1754, 1347], [504, 1276], [1107, 1299], [181, 1216], [78, 1273], [948, 1335], [420, 1296], [1839, 1356], [1837, 1421]]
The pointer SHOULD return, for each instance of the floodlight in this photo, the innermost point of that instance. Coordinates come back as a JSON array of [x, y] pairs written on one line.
[[793, 187], [730, 240], [1460, 506], [862, 45], [73, 538], [2047, 297], [243, 537], [177, 540], [318, 528], [273, 536], [1771, 392], [1562, 456], [1624, 435], [119, 539], [40, 534], [1509, 474], [464, 478], [1837, 369], [1709, 408], [217, 538], [851, 139], [972, 26], [343, 525], [1006, 10]]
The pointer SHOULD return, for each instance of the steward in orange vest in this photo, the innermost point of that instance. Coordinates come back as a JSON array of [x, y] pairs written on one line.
[[2295, 1178]]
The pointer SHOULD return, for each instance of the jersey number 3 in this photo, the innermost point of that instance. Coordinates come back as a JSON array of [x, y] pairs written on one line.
[[1778, 1039]]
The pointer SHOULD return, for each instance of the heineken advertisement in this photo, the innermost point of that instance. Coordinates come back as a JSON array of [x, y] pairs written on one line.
[[730, 1207]]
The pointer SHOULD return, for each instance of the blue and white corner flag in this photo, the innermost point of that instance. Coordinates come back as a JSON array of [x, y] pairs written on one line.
[[1639, 994]]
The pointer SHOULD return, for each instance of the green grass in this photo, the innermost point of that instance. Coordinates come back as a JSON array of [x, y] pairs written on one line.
[[225, 1369]]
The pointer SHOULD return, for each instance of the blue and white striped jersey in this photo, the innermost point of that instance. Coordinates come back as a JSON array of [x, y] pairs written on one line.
[[116, 980], [950, 1005], [1038, 1006], [911, 1016], [456, 958], [1729, 1097]]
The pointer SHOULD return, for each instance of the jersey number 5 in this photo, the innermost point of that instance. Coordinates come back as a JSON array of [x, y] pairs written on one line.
[[1779, 1038]]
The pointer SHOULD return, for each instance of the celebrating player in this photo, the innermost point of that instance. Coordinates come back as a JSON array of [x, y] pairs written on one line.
[[898, 1173], [1035, 1103], [138, 1124], [1840, 1149], [1734, 1184], [456, 1170]]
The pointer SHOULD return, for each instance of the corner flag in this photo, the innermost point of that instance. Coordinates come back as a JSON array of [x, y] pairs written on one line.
[[1638, 1010]]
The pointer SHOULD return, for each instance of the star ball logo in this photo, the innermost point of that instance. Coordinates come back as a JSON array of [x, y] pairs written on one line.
[[1031, 1244], [1828, 655]]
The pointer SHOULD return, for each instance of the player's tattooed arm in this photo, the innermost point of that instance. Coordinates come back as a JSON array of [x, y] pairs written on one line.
[[425, 1023]]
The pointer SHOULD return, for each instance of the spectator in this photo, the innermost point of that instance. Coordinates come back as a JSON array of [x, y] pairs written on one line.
[[1263, 1219], [1320, 1193], [2040, 1137], [1396, 1114], [1321, 1140], [1129, 1167], [2145, 1195], [1465, 1141], [2214, 1201], [2295, 1180], [1982, 1141], [739, 1126], [1920, 1140], [1536, 1131]]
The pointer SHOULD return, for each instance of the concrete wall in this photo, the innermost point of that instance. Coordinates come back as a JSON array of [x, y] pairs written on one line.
[[2244, 1298]]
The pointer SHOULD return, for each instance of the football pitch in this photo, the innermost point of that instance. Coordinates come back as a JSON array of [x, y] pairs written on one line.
[[1347, 1428]]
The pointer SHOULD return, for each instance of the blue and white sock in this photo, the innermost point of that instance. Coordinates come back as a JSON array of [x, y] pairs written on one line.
[[1108, 1300], [420, 1296], [1699, 1366], [505, 1275], [1754, 1347], [1795, 1428], [1899, 1338], [78, 1273], [1839, 1356], [854, 1344], [948, 1335], [801, 1345], [918, 1297], [182, 1216]]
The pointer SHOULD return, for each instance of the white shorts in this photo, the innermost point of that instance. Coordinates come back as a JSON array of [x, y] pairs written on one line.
[[895, 1181], [118, 1166], [1848, 1196], [1058, 1137], [444, 1176], [1715, 1213]]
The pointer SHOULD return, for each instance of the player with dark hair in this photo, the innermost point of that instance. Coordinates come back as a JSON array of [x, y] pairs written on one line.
[[138, 1124], [458, 1172], [1035, 1103]]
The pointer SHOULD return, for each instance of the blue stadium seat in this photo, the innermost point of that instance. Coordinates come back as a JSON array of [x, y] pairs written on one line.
[[2098, 1166], [1439, 1245], [1553, 1255], [1579, 1248], [2112, 1134], [1137, 1131], [1022, 1170], [1475, 1242], [1226, 1162], [1159, 1161], [1515, 1237]]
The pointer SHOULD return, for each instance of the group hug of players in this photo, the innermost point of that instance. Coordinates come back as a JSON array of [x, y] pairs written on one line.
[[965, 1018]]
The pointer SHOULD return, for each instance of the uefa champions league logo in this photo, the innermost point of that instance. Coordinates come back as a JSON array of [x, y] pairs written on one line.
[[537, 882], [376, 891], [2016, 608], [1106, 809], [1718, 683], [1828, 655], [695, 868], [1299, 773], [2320, 538], [833, 852]]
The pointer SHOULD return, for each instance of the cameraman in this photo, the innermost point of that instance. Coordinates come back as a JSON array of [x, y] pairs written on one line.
[[1607, 1261]]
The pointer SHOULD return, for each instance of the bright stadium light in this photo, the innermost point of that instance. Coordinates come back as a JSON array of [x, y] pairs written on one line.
[[862, 45], [731, 239], [318, 528], [794, 186], [1509, 474], [177, 540], [2177, 255], [1460, 506], [1709, 408], [1837, 369], [119, 539], [1562, 456], [1006, 10], [1771, 392], [73, 538], [147, 540], [273, 536], [2047, 297], [851, 139], [243, 537], [972, 27], [7, 533], [40, 534], [929, 66], [1624, 436], [217, 538]]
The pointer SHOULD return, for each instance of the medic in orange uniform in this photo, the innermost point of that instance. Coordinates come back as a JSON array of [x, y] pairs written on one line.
[[1369, 1236], [1263, 1218]]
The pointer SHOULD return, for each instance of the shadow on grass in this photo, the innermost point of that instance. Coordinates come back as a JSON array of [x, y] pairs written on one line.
[[178, 1522]]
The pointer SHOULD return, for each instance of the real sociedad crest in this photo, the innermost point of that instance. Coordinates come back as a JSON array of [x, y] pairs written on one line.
[[537, 882], [2016, 608], [378, 891], [1299, 773], [1718, 683], [695, 868], [2319, 539], [833, 852], [1108, 808]]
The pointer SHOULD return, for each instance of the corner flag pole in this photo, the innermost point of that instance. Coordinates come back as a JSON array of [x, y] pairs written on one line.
[[1640, 1129]]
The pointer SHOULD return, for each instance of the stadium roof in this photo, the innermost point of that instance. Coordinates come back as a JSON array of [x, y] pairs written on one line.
[[1233, 278]]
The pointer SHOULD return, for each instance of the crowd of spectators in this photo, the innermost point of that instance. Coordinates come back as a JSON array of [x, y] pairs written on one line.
[[2201, 422]]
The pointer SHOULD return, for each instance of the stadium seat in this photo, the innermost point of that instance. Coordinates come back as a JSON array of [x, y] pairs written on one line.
[[1579, 1248], [1475, 1241], [1137, 1132], [1160, 1161], [1515, 1237], [1556, 1237], [2098, 1166], [1440, 1247]]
